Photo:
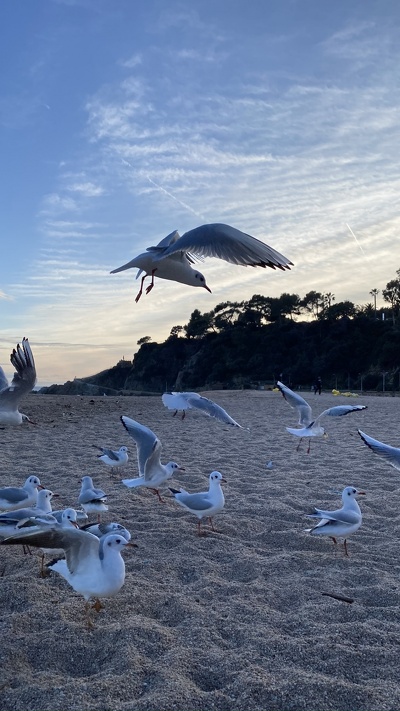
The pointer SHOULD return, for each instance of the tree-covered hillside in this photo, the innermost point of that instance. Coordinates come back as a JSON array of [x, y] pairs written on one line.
[[256, 342]]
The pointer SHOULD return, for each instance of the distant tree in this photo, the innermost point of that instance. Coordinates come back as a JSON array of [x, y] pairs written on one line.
[[392, 295], [374, 293], [289, 305], [340, 310], [226, 314], [311, 303], [176, 330], [144, 339], [198, 324]]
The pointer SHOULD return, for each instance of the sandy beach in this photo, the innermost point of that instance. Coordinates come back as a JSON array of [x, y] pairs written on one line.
[[235, 620]]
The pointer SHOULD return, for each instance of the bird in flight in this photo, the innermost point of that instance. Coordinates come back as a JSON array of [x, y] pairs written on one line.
[[172, 258]]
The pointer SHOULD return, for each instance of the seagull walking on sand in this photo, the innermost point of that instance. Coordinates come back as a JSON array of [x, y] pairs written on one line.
[[180, 402], [310, 427], [93, 567], [14, 497], [92, 500], [172, 258], [205, 503], [113, 458], [153, 474], [342, 522], [22, 383], [390, 454]]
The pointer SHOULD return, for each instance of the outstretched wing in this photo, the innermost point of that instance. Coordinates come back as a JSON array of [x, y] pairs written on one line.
[[391, 454], [302, 407], [340, 410], [227, 243]]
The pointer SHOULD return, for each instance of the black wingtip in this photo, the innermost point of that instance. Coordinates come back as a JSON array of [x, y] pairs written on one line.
[[174, 491]]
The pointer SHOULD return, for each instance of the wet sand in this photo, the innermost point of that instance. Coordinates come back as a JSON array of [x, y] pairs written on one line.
[[235, 620]]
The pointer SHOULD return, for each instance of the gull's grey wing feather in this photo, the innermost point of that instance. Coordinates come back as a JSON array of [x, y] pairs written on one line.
[[298, 403], [166, 241], [340, 410], [148, 444], [197, 502], [228, 243], [108, 452], [25, 376], [88, 495], [391, 454], [345, 516], [77, 544], [210, 408], [177, 401]]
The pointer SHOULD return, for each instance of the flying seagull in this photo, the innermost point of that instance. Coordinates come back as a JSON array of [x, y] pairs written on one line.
[[153, 474], [386, 451], [22, 383], [173, 256], [310, 427], [180, 402]]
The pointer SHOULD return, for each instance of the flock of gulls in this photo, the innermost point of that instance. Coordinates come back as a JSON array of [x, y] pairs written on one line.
[[90, 553]]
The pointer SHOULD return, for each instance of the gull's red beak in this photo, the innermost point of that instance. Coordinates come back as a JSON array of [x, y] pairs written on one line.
[[208, 288]]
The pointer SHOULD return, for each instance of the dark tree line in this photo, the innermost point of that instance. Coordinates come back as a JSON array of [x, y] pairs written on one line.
[[256, 342]]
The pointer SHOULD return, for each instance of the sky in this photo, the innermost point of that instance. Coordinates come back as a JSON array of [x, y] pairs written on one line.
[[123, 121]]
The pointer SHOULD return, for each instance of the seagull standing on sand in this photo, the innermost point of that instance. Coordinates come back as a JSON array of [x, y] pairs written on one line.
[[342, 522], [173, 256], [22, 383], [390, 454], [14, 497], [309, 427], [205, 503], [113, 458], [180, 402], [93, 567], [153, 474], [92, 500]]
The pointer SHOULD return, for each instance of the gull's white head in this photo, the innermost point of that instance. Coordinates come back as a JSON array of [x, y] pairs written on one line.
[[217, 477], [198, 279], [350, 492], [172, 467]]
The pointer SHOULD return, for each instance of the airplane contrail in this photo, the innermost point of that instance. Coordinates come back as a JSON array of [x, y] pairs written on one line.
[[357, 242], [166, 192]]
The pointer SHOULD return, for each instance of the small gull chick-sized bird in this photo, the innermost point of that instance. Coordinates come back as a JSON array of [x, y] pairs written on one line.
[[172, 258], [92, 500], [310, 427], [22, 383], [342, 522], [113, 458], [101, 529], [205, 503], [153, 474], [180, 402], [13, 497], [93, 567], [390, 454]]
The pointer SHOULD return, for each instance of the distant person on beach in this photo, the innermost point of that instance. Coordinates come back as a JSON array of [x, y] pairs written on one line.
[[317, 386]]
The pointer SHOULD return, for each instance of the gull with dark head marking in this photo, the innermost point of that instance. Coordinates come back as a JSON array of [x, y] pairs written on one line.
[[390, 454], [310, 427], [341, 522], [180, 402], [113, 458], [153, 474], [14, 497], [93, 567], [101, 529], [172, 258], [22, 383], [92, 500], [205, 503]]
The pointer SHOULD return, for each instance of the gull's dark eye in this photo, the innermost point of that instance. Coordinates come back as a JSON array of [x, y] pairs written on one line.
[[354, 491], [118, 540]]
